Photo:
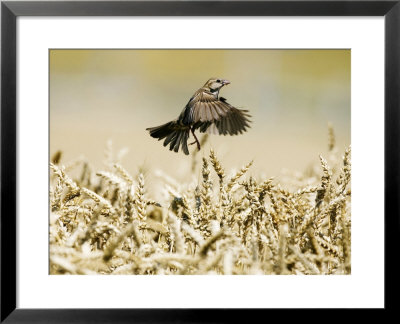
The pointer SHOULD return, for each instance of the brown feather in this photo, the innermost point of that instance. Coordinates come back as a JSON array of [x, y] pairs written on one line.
[[208, 111], [214, 111]]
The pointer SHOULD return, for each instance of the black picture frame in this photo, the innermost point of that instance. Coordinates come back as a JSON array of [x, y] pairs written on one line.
[[10, 10]]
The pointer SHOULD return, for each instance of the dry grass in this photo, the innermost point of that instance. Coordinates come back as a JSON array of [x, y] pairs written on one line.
[[104, 222]]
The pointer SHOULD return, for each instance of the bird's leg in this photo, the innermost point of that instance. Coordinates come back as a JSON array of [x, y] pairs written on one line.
[[196, 140]]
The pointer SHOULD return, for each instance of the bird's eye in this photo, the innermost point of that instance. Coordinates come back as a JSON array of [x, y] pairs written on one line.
[[219, 81]]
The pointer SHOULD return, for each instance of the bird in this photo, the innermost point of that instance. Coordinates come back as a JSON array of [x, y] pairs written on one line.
[[206, 112]]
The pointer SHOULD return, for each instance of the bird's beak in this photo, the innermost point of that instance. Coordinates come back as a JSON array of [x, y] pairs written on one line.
[[225, 82]]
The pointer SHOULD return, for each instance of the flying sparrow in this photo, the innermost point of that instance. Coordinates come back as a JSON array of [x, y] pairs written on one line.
[[206, 112]]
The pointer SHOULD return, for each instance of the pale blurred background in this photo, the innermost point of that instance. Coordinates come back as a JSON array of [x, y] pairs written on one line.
[[101, 95]]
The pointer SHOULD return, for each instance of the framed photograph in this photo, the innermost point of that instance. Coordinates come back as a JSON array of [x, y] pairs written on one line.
[[186, 161]]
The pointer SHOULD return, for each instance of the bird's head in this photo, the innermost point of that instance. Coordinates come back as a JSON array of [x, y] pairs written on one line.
[[215, 84]]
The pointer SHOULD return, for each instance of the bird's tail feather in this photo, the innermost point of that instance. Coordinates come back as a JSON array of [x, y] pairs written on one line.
[[174, 135]]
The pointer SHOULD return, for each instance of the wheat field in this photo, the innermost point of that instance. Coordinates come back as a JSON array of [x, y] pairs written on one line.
[[219, 222]]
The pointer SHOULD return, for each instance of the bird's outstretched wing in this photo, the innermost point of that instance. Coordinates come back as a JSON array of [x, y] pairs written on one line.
[[209, 108], [204, 107], [234, 121]]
